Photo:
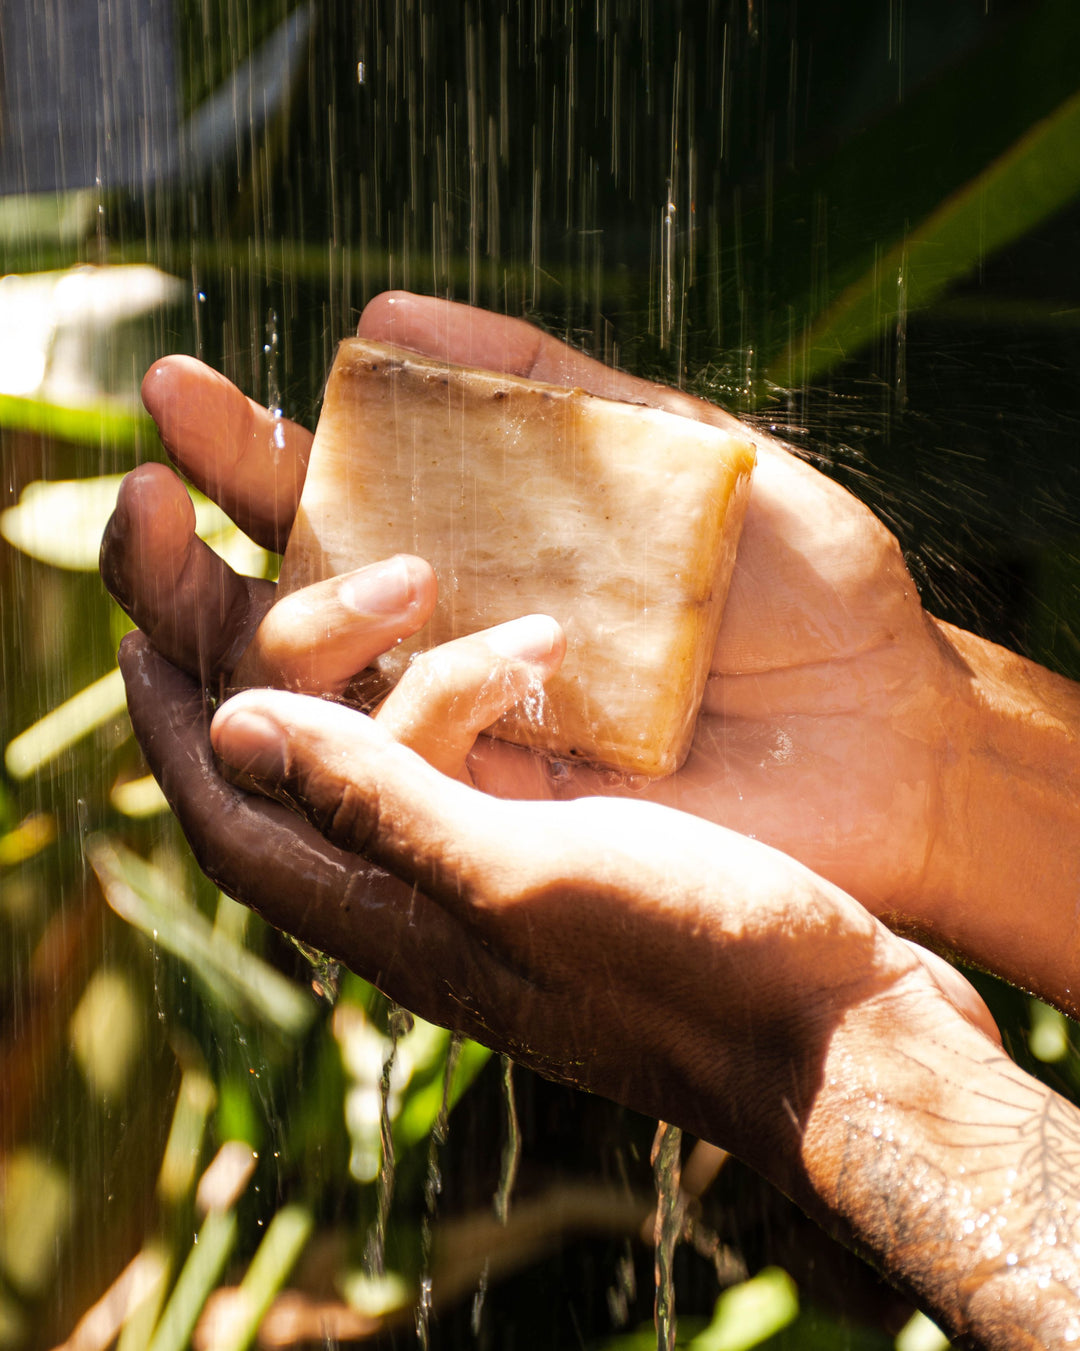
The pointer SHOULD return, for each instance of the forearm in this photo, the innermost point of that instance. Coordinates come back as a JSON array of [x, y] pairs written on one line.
[[1003, 878], [955, 1173]]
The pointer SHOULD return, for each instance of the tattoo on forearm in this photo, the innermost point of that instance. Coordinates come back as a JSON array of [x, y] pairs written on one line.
[[990, 1199]]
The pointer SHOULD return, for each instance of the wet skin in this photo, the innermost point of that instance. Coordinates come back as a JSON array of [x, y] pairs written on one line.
[[842, 723], [651, 955]]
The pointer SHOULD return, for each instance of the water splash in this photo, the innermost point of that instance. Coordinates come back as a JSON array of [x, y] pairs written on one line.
[[476, 1318], [508, 1169], [325, 972], [623, 1291]]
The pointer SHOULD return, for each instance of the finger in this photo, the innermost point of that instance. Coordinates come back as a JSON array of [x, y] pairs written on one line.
[[804, 537], [197, 612], [271, 860], [450, 694], [251, 462], [362, 789], [315, 640], [473, 337]]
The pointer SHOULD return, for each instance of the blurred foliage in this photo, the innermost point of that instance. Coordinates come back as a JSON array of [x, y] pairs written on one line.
[[857, 224]]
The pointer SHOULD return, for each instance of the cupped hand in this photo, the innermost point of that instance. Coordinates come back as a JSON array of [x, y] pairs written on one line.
[[675, 966], [636, 951]]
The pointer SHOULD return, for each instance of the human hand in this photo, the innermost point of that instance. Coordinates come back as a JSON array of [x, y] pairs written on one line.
[[677, 967], [684, 970]]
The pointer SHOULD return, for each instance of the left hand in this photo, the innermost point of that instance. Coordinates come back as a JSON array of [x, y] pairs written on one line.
[[613, 944], [696, 975], [648, 955]]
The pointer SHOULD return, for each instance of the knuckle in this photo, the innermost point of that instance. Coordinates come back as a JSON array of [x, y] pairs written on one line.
[[351, 822]]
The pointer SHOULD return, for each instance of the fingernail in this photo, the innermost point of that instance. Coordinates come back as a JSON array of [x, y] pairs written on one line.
[[382, 589], [532, 638], [250, 742]]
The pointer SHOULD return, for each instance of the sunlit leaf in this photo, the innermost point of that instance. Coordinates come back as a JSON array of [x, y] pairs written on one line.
[[226, 1177], [194, 1103], [36, 1207], [198, 1277], [106, 1032], [1021, 188], [139, 797], [421, 1105], [28, 838], [376, 1295], [100, 424], [61, 522], [141, 1315], [241, 981], [135, 1293], [1049, 1037], [920, 1334], [750, 1312], [237, 1317], [77, 717]]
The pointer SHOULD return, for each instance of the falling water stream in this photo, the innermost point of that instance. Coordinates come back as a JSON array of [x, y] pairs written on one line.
[[763, 204], [667, 1171], [400, 1022], [432, 1188]]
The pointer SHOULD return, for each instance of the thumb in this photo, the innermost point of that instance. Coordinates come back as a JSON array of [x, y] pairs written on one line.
[[452, 331], [362, 789]]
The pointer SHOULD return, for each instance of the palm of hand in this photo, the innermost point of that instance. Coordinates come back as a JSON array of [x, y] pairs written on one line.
[[807, 737]]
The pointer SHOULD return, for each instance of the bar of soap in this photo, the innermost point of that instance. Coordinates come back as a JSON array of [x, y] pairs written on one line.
[[619, 520]]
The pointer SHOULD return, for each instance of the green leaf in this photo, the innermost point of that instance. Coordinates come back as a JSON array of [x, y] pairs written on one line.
[[749, 1313], [1035, 177], [240, 981], [198, 1277], [422, 1102], [69, 722], [61, 522], [99, 424], [275, 1257]]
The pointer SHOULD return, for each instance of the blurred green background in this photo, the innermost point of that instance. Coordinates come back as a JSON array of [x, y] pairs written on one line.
[[856, 224]]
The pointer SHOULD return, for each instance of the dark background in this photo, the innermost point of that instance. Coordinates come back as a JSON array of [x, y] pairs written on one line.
[[678, 188]]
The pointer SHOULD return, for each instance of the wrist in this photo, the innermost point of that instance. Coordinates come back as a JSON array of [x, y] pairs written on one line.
[[1005, 849], [938, 1159]]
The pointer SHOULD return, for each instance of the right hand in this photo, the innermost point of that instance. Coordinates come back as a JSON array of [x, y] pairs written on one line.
[[696, 975]]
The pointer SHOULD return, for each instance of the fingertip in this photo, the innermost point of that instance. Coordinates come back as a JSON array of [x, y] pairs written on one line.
[[153, 518], [451, 331], [403, 586], [151, 497], [536, 639], [131, 652], [198, 411], [163, 383], [384, 310], [156, 385], [249, 740]]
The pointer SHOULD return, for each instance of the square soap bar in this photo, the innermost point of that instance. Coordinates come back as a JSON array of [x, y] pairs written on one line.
[[620, 521]]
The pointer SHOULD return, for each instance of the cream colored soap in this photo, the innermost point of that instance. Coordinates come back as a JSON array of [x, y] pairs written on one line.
[[620, 521]]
